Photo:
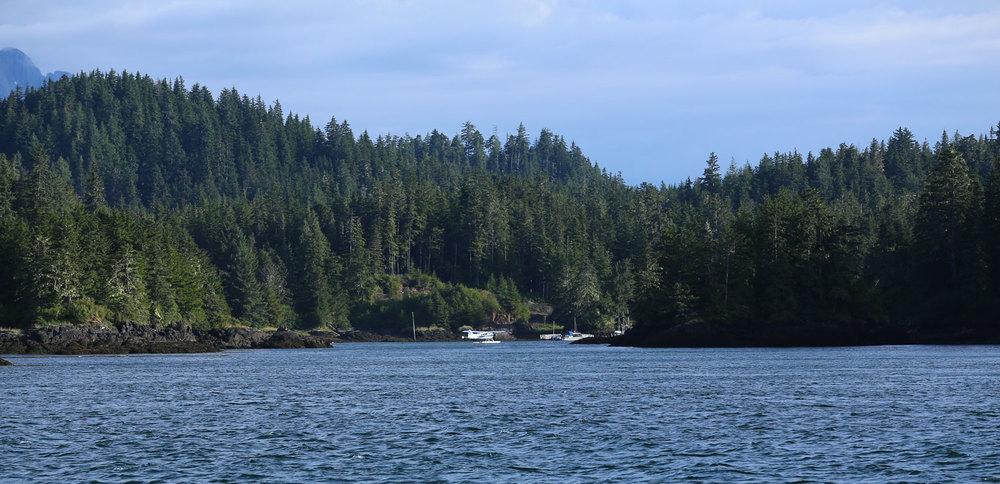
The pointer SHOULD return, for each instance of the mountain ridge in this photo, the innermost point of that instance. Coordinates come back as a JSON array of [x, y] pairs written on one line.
[[18, 70]]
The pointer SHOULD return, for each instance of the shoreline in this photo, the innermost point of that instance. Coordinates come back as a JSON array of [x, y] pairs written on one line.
[[134, 339], [131, 338]]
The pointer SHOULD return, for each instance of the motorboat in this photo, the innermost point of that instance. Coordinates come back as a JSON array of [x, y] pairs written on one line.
[[574, 336]]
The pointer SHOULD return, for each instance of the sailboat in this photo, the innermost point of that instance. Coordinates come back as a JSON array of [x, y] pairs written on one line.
[[551, 337]]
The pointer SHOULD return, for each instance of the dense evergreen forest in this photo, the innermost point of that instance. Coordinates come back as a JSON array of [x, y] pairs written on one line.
[[124, 198]]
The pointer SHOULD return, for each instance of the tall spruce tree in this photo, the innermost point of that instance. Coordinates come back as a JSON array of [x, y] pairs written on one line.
[[946, 234]]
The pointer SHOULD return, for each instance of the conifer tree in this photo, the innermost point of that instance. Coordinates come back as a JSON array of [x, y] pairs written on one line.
[[710, 180], [945, 230], [314, 303]]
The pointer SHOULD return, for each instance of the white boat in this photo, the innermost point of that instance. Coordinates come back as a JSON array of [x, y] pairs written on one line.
[[551, 337], [574, 336]]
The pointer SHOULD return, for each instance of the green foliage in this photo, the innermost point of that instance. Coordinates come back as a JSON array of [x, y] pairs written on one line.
[[949, 241], [429, 302], [846, 251], [509, 299], [128, 198]]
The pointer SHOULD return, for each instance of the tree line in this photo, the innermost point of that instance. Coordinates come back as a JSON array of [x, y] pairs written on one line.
[[128, 198], [898, 239]]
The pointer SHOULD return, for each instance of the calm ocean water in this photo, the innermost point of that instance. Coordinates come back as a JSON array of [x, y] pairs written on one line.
[[513, 412]]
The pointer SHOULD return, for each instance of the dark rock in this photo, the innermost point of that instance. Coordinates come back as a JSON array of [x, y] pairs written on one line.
[[291, 339], [234, 338], [358, 336], [12, 343], [438, 335], [690, 334], [332, 335], [283, 339], [4, 362], [130, 337]]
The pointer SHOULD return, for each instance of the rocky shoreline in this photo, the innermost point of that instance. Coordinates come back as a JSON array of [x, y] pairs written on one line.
[[134, 338], [131, 338]]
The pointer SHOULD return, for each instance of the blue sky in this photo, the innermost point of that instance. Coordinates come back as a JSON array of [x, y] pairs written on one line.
[[646, 88]]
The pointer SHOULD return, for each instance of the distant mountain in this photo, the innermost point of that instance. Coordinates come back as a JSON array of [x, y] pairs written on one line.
[[56, 75], [17, 69]]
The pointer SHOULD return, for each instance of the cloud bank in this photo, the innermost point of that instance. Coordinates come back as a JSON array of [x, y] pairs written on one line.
[[647, 88]]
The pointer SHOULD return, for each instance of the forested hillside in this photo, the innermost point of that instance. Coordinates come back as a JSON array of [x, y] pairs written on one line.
[[124, 198]]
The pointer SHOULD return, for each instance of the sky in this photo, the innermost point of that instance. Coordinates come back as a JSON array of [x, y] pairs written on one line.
[[647, 89]]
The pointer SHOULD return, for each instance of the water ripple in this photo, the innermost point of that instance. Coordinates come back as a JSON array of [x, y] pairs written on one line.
[[521, 412]]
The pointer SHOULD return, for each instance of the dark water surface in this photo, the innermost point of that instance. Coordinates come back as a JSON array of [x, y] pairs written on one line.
[[513, 412]]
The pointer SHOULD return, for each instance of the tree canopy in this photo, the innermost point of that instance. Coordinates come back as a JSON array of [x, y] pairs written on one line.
[[124, 198]]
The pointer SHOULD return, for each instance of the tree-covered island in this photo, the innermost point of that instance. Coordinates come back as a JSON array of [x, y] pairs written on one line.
[[129, 200]]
